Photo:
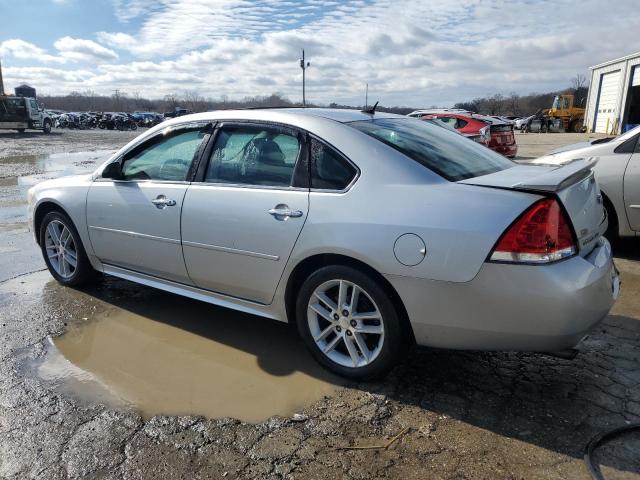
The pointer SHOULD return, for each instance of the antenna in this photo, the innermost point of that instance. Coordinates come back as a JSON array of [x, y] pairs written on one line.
[[372, 110]]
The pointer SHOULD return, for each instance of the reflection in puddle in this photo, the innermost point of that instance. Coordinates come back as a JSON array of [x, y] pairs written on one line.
[[13, 188], [236, 366]]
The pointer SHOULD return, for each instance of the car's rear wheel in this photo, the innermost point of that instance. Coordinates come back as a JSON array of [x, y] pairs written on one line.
[[612, 219], [349, 322], [63, 251]]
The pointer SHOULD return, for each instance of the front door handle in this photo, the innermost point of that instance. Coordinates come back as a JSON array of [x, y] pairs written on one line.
[[162, 202], [284, 211]]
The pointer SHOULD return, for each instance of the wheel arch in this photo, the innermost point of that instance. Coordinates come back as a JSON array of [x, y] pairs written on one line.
[[41, 210], [611, 208], [310, 264]]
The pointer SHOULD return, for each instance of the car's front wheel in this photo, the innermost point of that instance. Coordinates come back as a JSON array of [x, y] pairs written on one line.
[[63, 251], [349, 322]]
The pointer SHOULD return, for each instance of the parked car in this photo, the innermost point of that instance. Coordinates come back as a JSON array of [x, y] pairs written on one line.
[[370, 231], [503, 119], [431, 111], [483, 136], [178, 112], [616, 163], [493, 133], [521, 123]]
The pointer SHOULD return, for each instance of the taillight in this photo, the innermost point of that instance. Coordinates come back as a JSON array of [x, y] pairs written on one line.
[[542, 234]]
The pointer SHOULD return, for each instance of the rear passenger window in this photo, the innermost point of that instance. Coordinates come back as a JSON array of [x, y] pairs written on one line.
[[448, 120], [252, 155], [329, 170]]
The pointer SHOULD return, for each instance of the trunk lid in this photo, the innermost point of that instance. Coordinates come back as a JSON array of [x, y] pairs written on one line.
[[502, 134], [574, 184]]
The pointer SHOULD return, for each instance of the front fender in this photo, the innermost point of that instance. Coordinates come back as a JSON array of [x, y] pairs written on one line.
[[68, 194]]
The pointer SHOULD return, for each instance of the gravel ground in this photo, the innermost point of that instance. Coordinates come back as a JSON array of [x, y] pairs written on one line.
[[462, 415], [61, 140]]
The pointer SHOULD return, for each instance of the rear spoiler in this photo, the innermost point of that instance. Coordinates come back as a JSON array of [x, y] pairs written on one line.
[[559, 178]]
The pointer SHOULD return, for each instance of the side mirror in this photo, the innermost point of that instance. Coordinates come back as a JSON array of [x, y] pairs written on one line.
[[113, 171]]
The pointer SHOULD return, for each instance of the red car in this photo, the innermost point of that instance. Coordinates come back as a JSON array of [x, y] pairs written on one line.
[[491, 132]]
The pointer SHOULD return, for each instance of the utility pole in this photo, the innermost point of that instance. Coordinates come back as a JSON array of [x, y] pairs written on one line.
[[1, 82], [304, 67], [366, 96]]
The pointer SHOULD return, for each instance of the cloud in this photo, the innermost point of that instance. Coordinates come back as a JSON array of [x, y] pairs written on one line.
[[23, 50], [69, 50], [413, 53], [81, 50]]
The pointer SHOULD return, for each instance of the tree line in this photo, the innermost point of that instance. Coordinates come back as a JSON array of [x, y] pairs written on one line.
[[525, 105], [120, 101]]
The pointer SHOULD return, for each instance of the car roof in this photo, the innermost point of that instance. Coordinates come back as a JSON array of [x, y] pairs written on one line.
[[335, 114]]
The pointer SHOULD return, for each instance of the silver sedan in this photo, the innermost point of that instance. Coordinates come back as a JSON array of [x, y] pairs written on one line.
[[370, 231]]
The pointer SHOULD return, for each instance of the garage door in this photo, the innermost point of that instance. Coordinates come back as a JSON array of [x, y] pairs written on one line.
[[607, 107], [635, 81]]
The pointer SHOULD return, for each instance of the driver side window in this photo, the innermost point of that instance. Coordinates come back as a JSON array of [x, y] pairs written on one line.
[[168, 158]]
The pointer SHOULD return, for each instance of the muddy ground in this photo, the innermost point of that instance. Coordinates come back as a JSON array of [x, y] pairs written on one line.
[[460, 414]]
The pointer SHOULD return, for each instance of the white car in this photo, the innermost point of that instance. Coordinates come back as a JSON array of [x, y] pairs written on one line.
[[520, 123], [616, 163], [368, 230]]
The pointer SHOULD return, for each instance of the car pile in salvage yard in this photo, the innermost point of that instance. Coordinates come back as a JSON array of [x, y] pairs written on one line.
[[248, 286]]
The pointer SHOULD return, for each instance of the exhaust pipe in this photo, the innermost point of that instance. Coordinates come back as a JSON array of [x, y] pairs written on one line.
[[568, 354]]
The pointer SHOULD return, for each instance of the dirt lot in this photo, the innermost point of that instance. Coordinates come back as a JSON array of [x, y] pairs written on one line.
[[84, 376]]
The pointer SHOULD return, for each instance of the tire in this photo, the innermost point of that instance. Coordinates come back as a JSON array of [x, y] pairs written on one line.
[[20, 130], [612, 228], [46, 126], [576, 126], [73, 276], [134, 126], [384, 349]]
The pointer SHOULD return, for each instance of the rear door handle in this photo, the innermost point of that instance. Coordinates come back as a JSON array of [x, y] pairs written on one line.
[[285, 212], [162, 202]]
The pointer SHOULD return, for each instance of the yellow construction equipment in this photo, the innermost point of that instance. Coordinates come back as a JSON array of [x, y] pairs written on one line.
[[572, 117]]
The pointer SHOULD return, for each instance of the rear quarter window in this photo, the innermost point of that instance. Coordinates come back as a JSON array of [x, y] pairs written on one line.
[[448, 154], [329, 170]]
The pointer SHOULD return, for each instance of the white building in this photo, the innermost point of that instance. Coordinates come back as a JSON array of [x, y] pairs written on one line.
[[613, 102]]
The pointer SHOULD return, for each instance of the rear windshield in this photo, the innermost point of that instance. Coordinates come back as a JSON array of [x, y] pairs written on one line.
[[449, 154]]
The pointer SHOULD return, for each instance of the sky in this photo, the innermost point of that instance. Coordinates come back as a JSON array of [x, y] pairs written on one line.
[[418, 53]]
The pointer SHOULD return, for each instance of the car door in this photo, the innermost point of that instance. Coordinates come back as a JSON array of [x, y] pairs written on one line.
[[35, 115], [632, 188], [241, 221], [134, 221]]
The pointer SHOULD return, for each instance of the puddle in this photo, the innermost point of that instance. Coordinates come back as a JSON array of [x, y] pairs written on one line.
[[198, 360], [59, 164], [13, 188]]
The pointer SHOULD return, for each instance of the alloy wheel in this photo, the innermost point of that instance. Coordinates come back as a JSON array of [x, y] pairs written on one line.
[[345, 323], [61, 249]]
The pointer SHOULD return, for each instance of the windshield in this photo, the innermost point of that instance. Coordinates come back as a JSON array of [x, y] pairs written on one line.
[[448, 154]]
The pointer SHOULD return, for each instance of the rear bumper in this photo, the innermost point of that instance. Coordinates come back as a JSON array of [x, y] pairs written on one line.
[[513, 307], [506, 150]]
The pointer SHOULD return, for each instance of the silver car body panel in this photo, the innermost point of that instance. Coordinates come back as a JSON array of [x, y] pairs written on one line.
[[618, 176], [237, 255]]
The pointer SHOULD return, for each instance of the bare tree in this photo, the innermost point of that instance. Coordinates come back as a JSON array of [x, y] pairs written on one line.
[[578, 82], [495, 104], [514, 103]]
